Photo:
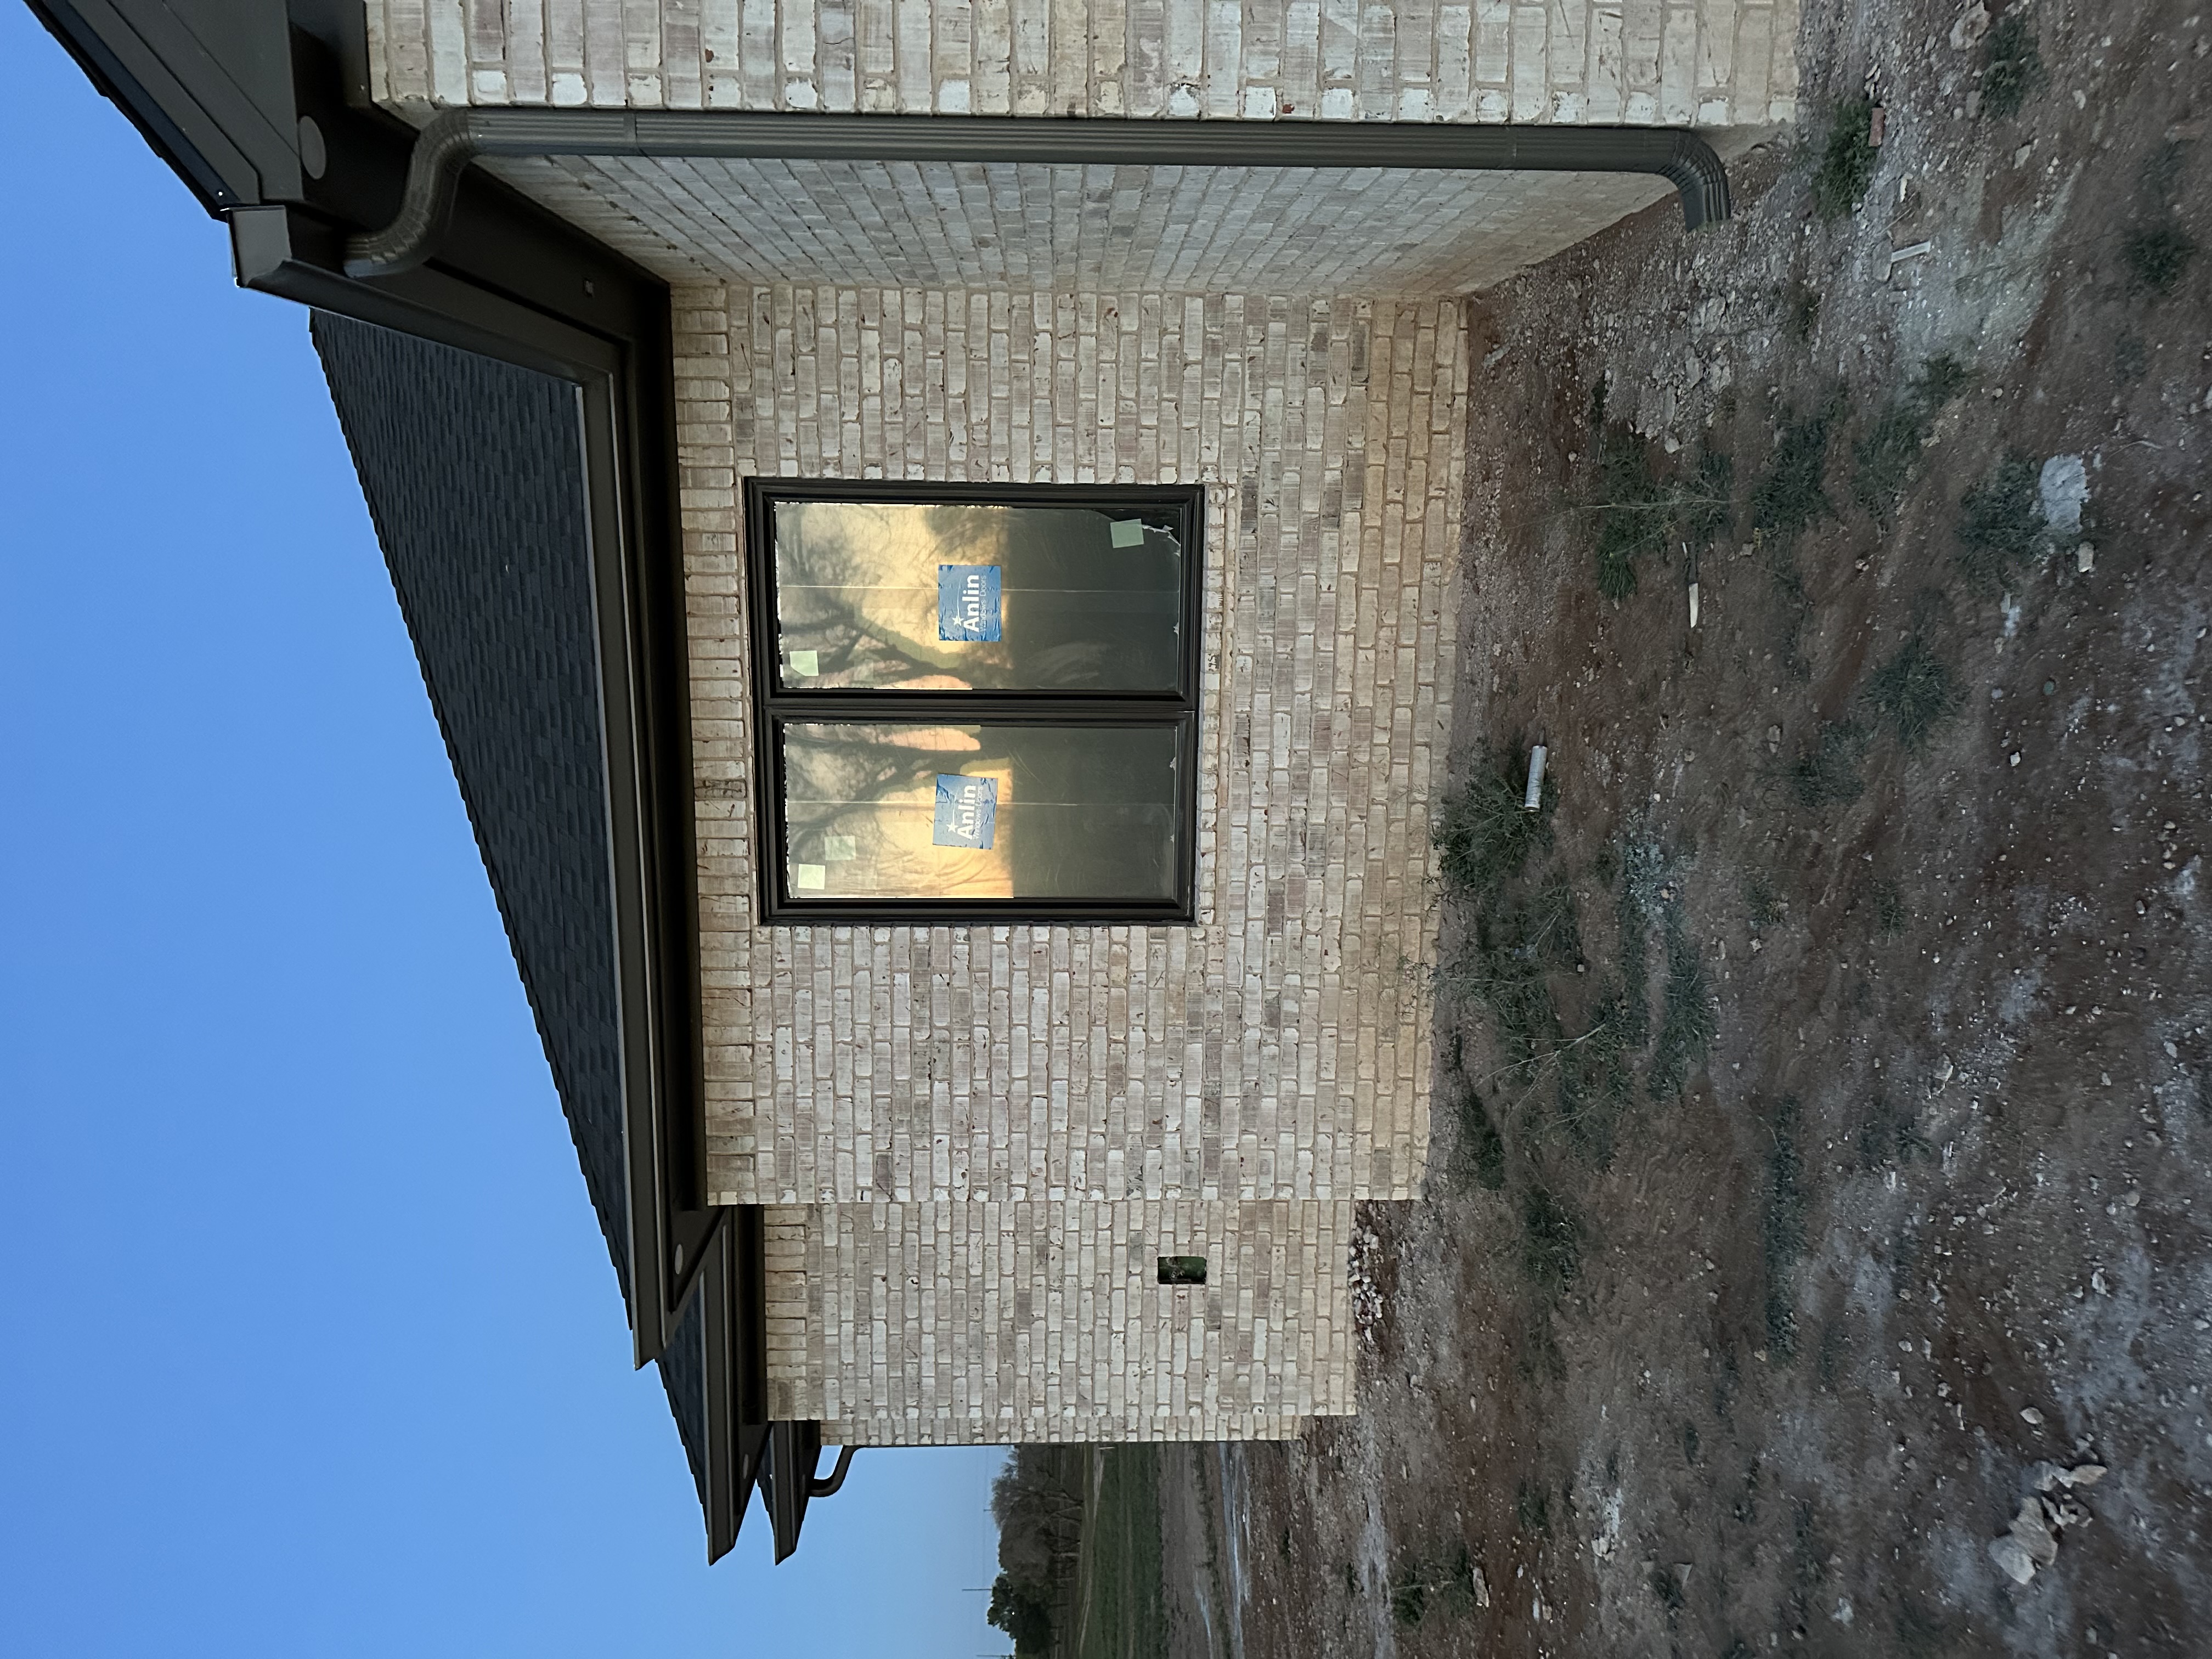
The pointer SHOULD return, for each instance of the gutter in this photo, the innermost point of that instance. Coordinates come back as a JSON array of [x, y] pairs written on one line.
[[455, 138]]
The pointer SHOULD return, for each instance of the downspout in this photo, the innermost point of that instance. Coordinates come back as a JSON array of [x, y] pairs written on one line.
[[455, 138]]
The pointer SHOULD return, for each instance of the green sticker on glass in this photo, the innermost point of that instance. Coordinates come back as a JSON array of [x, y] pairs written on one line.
[[809, 877], [805, 664], [1127, 532]]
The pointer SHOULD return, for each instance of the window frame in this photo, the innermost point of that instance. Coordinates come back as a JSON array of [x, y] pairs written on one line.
[[774, 706]]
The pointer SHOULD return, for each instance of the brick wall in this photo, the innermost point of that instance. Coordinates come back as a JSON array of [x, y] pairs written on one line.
[[997, 1322], [1707, 62], [1279, 1050], [1098, 229]]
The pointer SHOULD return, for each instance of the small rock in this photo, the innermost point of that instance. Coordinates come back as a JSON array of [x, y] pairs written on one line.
[[1944, 1070], [2032, 1416], [2085, 558], [2017, 1564], [2033, 1534], [2063, 488], [2097, 1283], [2083, 1474], [2063, 1511], [1973, 23]]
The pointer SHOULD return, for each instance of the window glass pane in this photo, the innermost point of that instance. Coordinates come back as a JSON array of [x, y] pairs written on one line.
[[985, 811], [924, 597]]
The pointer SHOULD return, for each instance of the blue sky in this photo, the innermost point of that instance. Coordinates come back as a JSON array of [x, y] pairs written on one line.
[[312, 1345]]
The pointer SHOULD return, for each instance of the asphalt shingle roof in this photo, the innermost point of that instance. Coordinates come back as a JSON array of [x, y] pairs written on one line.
[[474, 473]]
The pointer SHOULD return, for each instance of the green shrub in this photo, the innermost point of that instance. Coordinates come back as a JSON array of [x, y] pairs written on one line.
[[1784, 1228], [2012, 67], [1484, 836], [2157, 256], [1913, 691], [1887, 458], [1639, 514], [1789, 499], [1827, 774], [2001, 524], [1686, 1021], [1482, 1149], [1848, 159], [1551, 1241], [1890, 914]]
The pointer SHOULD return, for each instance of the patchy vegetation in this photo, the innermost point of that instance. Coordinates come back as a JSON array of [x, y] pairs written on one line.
[[1914, 691], [1484, 834], [1784, 1231], [1827, 773], [1790, 497], [2001, 524], [1887, 457], [2012, 67], [2157, 255], [1929, 1209], [1848, 159], [1640, 514], [1686, 1020]]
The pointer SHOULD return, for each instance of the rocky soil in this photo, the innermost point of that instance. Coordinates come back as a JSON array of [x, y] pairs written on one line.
[[1816, 1257]]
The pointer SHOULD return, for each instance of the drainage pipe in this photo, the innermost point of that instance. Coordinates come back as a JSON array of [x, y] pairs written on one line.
[[455, 138]]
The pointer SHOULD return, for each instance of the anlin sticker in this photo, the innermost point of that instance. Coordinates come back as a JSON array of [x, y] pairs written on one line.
[[966, 811], [968, 602]]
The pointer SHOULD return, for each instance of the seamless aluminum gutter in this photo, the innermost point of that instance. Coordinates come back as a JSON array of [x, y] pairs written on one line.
[[452, 141]]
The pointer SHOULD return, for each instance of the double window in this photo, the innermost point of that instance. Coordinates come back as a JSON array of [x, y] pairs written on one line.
[[975, 703]]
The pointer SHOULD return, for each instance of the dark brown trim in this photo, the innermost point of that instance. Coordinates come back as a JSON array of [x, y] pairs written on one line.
[[455, 138], [733, 1283]]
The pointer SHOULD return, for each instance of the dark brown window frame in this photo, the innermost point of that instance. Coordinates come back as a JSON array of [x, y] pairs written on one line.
[[774, 706]]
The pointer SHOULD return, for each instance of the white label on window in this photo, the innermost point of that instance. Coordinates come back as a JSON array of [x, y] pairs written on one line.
[[806, 663], [835, 849], [1127, 532], [810, 878]]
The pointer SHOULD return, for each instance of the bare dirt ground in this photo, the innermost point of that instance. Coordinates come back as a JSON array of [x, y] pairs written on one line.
[[1825, 1094]]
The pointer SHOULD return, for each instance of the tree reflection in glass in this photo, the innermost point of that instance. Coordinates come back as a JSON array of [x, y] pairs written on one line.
[[1090, 597], [1083, 812]]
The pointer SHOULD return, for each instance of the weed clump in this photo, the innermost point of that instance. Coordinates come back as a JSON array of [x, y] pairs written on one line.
[[1890, 914], [1762, 907], [1914, 691], [2001, 524], [1513, 948], [1847, 161], [1532, 1507], [1638, 513], [2012, 67], [1642, 868], [1485, 835], [1687, 1023], [1886, 459], [1789, 499], [1481, 1148], [1551, 1241], [1887, 1134], [1827, 774], [1422, 1589], [2156, 256], [1784, 1228]]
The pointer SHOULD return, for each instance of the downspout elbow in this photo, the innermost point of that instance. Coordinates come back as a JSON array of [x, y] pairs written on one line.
[[1697, 175], [442, 153]]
